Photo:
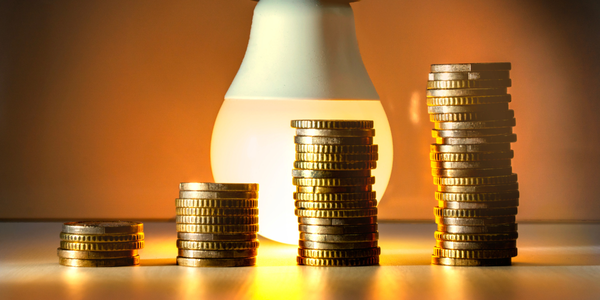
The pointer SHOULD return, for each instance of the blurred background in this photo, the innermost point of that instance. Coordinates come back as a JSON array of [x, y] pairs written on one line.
[[105, 106]]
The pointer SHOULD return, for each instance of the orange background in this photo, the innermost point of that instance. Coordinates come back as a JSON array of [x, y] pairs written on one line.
[[105, 106]]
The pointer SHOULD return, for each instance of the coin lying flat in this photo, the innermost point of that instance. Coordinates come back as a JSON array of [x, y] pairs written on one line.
[[478, 188], [95, 263], [473, 116], [506, 179], [217, 203], [247, 253], [350, 213], [470, 67], [476, 237], [474, 213], [328, 182], [208, 220], [332, 124], [339, 238], [468, 100], [463, 84], [327, 205], [470, 75], [471, 132], [335, 132], [329, 157], [473, 156], [485, 164], [203, 211], [102, 246], [475, 125], [355, 165], [216, 262], [227, 229], [96, 238], [478, 229], [497, 196], [335, 196], [352, 253], [336, 246], [446, 261], [337, 222], [347, 229], [218, 195], [102, 227], [321, 140], [477, 254], [336, 189], [477, 245], [502, 147], [436, 172], [63, 253], [478, 205], [337, 149], [338, 262], [212, 237], [210, 186], [222, 245], [330, 173], [467, 92], [508, 138], [475, 221]]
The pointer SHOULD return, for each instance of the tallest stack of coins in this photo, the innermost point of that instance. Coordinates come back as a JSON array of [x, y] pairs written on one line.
[[477, 191]]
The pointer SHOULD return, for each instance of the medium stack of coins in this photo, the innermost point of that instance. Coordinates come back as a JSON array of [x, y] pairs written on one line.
[[335, 204], [100, 243], [217, 224], [477, 192]]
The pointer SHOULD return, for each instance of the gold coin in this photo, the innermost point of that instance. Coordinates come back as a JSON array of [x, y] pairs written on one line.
[[95, 263], [335, 196], [508, 138], [446, 261], [464, 84], [216, 262], [218, 195], [217, 203], [347, 229], [336, 189], [209, 220], [498, 196], [457, 109], [217, 187], [478, 205], [202, 211], [357, 165], [502, 228], [355, 213], [484, 164], [476, 245], [470, 148], [473, 116], [330, 173], [353, 253], [97, 238], [336, 246], [467, 92], [349, 181], [477, 188], [63, 253], [332, 124], [468, 100], [339, 238], [438, 68], [102, 227], [475, 221], [335, 132], [476, 254], [321, 140], [471, 132], [475, 125], [327, 157], [508, 236], [338, 262], [337, 222], [471, 172], [224, 245], [217, 253], [473, 156], [325, 205], [102, 246], [474, 213], [227, 229], [505, 74], [337, 149], [212, 237]]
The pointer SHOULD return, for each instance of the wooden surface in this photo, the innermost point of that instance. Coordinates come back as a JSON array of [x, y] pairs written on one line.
[[556, 261]]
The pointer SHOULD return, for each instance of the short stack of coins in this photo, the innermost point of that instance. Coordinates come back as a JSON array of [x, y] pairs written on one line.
[[477, 192], [100, 243], [335, 204], [217, 224]]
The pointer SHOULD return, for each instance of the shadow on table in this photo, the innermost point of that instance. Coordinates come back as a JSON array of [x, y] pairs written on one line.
[[154, 262]]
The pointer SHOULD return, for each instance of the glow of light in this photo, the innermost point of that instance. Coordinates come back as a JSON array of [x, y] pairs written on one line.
[[415, 106]]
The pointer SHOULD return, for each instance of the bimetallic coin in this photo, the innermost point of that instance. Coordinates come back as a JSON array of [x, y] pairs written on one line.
[[472, 116], [470, 148], [473, 156], [471, 172], [337, 222], [439, 68], [355, 213], [208, 220], [466, 92], [506, 179], [338, 262], [224, 245], [326, 205], [476, 221], [216, 262], [467, 100], [335, 132], [508, 236], [476, 245], [102, 227], [203, 211], [330, 173], [474, 213], [477, 254], [356, 165], [218, 195], [475, 125], [332, 124], [335, 196], [211, 237], [349, 181], [446, 261], [468, 84], [339, 238], [509, 138], [97, 238], [329, 157], [478, 205], [351, 253], [502, 228], [102, 246], [477, 188], [485, 164], [217, 253], [321, 140], [96, 263], [471, 132], [209, 186], [498, 196], [336, 189], [336, 246], [217, 203], [337, 149], [505, 74], [226, 229], [63, 253], [348, 229]]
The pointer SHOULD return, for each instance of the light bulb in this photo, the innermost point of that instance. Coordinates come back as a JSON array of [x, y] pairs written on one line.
[[302, 62]]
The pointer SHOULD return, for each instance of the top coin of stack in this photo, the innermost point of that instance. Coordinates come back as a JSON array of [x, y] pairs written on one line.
[[217, 224], [471, 164], [100, 243], [335, 204]]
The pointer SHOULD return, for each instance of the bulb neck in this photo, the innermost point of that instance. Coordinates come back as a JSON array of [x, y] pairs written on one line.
[[303, 49]]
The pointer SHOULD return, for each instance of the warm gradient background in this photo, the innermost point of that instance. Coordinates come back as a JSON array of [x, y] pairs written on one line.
[[105, 106]]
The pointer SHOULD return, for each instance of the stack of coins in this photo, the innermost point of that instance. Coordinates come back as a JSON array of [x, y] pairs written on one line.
[[100, 243], [477, 192], [217, 224], [335, 204]]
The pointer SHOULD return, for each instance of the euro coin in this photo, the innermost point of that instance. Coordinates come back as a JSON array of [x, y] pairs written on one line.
[[508, 236], [217, 203], [477, 188], [356, 165], [355, 213], [332, 124], [212, 237], [201, 211], [476, 197], [338, 262], [477, 254], [208, 220], [102, 246], [328, 157], [472, 116], [503, 147], [102, 227], [351, 253], [328, 182], [218, 195], [348, 229], [467, 84], [475, 221], [474, 213], [466, 92], [223, 245], [476, 245], [247, 253], [506, 179], [468, 100], [446, 261], [95, 263], [339, 238], [226, 229], [321, 140], [471, 133], [471, 172], [478, 205], [327, 205], [501, 228], [470, 67], [330, 173], [504, 74], [473, 156], [336, 246], [63, 253], [475, 125], [97, 238], [216, 262], [337, 149], [509, 138], [336, 132], [335, 196], [209, 186], [337, 221], [485, 164], [336, 189]]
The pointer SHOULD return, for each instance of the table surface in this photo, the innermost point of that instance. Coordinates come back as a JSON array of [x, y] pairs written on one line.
[[556, 261]]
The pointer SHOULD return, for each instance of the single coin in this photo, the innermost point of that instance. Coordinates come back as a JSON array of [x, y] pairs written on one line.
[[335, 196], [96, 263], [218, 195], [102, 227], [337, 149], [474, 213], [211, 237], [438, 68], [477, 254], [468, 100], [329, 182], [464, 84], [476, 245], [337, 222], [348, 229], [505, 74], [338, 262], [351, 253], [502, 228], [63, 253], [470, 172], [328, 157], [326, 205], [97, 238], [466, 92], [484, 164], [335, 132], [332, 124], [217, 253], [506, 179], [227, 229], [224, 245], [476, 221], [209, 220], [339, 238], [217, 203], [470, 148], [497, 196], [321, 140], [508, 236], [471, 132], [473, 156], [475, 125], [478, 205], [354, 213], [455, 109], [330, 173], [216, 262], [477, 188], [336, 246], [102, 246], [202, 211], [508, 138], [336, 189], [210, 186], [473, 116], [356, 165], [446, 261]]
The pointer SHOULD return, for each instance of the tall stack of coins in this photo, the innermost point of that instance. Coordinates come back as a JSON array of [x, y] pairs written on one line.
[[335, 204], [477, 192], [217, 224], [100, 243]]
